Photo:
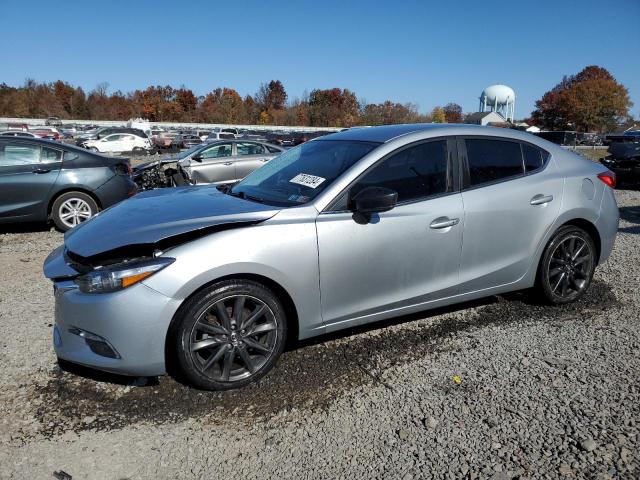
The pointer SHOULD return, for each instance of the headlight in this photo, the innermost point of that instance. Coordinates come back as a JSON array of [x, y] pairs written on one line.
[[120, 276]]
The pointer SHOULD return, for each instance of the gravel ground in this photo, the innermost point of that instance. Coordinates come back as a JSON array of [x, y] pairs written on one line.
[[501, 388]]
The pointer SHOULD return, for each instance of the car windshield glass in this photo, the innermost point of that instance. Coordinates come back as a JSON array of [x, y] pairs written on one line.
[[302, 173], [186, 153]]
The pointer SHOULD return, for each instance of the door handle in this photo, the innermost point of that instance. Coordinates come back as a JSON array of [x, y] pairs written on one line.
[[443, 222], [541, 199], [264, 159], [41, 170], [228, 163]]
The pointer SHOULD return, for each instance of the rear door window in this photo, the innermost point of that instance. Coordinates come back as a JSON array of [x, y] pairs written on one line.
[[493, 160], [534, 157], [249, 149]]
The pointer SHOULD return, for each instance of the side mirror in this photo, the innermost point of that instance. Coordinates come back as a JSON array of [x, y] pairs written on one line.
[[197, 157], [375, 200]]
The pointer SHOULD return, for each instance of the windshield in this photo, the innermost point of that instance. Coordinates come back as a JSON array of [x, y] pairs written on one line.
[[302, 173], [186, 153]]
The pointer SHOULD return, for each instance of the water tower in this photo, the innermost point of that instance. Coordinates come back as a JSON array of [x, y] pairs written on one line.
[[500, 99]]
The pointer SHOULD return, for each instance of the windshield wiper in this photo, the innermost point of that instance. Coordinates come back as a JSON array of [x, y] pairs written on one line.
[[252, 198], [243, 196]]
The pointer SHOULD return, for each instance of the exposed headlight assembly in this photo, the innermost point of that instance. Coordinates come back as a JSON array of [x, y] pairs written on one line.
[[120, 276]]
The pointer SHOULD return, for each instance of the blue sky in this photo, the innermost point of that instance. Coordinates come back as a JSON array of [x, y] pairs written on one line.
[[428, 53]]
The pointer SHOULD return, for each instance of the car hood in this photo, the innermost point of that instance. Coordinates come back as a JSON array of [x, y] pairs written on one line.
[[153, 163], [151, 219]]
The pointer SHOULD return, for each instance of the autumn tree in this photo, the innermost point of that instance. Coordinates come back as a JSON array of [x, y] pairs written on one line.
[[333, 107], [453, 113], [591, 100], [187, 103], [271, 98]]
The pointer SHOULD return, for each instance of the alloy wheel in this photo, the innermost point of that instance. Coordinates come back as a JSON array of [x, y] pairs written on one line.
[[570, 267], [233, 338], [74, 211]]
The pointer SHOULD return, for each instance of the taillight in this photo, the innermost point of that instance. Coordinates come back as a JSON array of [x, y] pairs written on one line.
[[124, 169], [609, 178]]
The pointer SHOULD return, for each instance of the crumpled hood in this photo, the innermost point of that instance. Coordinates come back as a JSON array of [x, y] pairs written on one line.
[[157, 215]]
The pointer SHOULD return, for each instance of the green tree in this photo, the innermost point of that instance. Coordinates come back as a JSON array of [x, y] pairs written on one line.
[[438, 115]]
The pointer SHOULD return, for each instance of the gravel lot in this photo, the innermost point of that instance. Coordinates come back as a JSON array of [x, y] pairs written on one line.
[[543, 393]]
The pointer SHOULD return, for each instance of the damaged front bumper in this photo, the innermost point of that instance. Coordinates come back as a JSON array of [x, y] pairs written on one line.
[[121, 332]]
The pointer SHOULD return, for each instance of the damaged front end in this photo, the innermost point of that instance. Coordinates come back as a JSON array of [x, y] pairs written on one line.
[[148, 224], [624, 161], [159, 174]]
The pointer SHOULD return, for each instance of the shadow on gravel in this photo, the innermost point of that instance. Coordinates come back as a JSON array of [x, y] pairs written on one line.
[[311, 375], [631, 215], [25, 227]]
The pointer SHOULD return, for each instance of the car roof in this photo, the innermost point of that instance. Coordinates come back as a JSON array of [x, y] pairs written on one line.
[[47, 143], [386, 133]]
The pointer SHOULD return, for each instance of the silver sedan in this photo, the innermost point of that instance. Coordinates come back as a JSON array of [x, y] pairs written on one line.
[[225, 161], [348, 229]]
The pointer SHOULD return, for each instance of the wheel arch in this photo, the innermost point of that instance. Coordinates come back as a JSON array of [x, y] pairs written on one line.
[[61, 192], [279, 291], [588, 227]]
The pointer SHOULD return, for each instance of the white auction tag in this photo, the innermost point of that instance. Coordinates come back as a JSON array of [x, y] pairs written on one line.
[[307, 180]]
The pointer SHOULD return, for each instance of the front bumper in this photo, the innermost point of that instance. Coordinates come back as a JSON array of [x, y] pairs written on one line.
[[134, 323]]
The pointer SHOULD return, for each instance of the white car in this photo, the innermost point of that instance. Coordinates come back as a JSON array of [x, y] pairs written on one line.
[[120, 142], [215, 136]]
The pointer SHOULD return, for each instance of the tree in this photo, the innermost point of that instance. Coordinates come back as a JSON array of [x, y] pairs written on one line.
[[389, 113], [591, 100], [333, 107], [453, 113], [271, 99], [438, 115]]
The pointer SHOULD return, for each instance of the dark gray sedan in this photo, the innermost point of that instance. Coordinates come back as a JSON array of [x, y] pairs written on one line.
[[42, 180]]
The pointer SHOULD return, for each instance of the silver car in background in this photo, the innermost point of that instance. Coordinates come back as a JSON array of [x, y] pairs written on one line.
[[226, 161], [348, 229]]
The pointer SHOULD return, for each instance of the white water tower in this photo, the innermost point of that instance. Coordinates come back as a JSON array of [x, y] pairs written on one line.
[[500, 99]]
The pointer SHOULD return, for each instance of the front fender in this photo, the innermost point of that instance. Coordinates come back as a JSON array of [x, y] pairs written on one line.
[[286, 254]]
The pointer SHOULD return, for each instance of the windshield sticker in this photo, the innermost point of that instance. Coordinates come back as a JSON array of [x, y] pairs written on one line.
[[307, 180]]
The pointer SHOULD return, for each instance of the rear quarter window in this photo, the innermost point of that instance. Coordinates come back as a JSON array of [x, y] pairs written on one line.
[[534, 157]]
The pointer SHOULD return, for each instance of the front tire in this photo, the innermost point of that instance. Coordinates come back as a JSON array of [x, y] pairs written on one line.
[[71, 209], [567, 266], [229, 335]]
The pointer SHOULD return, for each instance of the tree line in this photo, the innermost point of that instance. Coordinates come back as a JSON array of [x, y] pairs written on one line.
[[591, 100], [270, 105]]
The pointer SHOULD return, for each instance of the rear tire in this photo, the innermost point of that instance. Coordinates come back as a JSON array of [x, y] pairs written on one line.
[[71, 209], [567, 266], [229, 335]]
